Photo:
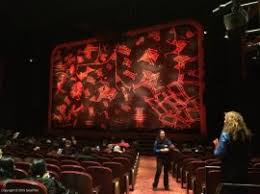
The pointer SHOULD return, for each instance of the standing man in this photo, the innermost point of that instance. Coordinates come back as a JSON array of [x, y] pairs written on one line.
[[162, 146]]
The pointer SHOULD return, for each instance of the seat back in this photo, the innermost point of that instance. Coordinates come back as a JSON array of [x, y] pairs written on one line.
[[125, 162], [52, 161], [53, 167], [87, 164], [69, 162], [117, 168], [72, 168], [101, 159], [25, 186], [23, 165], [66, 157], [20, 174], [212, 181], [102, 176], [80, 182]]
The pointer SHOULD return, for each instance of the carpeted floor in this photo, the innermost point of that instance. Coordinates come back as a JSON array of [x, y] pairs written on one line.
[[145, 178]]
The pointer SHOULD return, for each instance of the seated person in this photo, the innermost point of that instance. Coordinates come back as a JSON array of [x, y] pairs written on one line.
[[39, 173], [6, 168], [53, 152], [68, 148], [109, 149], [86, 154], [118, 149], [123, 144]]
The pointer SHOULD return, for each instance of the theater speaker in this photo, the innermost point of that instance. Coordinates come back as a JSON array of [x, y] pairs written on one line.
[[236, 19]]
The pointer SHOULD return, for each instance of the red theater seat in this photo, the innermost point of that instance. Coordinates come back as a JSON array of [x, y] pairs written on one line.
[[69, 162], [77, 181], [20, 174], [63, 157], [102, 176], [27, 186], [212, 181], [87, 164], [52, 161], [54, 168], [72, 168], [101, 159], [199, 182], [126, 170], [23, 165], [116, 167], [117, 175]]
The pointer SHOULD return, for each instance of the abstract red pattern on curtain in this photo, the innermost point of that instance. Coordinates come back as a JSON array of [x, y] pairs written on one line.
[[148, 78]]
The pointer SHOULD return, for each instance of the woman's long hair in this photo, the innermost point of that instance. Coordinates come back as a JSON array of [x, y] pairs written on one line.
[[235, 125]]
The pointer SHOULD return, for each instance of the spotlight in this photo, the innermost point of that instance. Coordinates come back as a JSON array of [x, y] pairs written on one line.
[[205, 32], [30, 60]]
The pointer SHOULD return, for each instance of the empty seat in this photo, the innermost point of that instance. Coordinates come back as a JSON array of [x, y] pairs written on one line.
[[101, 159], [77, 181], [72, 168], [116, 167], [66, 157], [20, 174], [69, 162], [54, 168], [117, 175], [126, 170], [52, 161], [213, 178], [102, 176], [87, 164], [23, 165]]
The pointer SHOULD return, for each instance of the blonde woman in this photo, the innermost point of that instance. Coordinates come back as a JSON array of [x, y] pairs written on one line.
[[233, 148]]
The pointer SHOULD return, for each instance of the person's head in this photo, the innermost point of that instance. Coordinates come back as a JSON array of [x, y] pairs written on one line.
[[117, 149], [86, 150], [67, 144], [235, 125], [162, 134], [38, 168], [6, 167]]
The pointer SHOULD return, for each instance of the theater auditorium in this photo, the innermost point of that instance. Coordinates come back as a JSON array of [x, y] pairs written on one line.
[[130, 97]]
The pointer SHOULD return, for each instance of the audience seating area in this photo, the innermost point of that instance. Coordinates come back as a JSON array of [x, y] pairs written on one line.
[[101, 172], [107, 173], [200, 173]]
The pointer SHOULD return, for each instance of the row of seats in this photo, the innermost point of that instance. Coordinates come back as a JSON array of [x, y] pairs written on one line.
[[108, 174], [201, 173]]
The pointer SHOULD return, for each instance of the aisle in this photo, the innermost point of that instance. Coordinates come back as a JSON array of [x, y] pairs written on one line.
[[145, 178]]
